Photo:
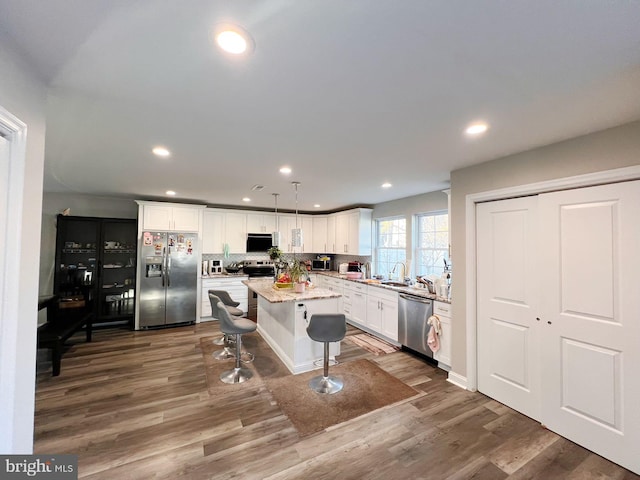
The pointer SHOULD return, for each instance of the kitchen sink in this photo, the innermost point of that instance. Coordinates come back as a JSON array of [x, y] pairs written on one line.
[[393, 284]]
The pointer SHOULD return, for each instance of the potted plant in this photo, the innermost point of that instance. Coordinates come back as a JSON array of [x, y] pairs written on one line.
[[298, 272], [274, 253]]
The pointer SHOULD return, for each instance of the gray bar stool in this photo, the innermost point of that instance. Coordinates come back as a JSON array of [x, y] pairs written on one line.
[[235, 326], [226, 352], [231, 305], [326, 327]]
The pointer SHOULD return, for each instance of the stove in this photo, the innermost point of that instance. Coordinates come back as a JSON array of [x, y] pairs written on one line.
[[259, 268], [263, 269]]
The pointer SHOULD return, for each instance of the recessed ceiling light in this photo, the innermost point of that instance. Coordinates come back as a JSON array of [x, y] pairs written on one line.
[[233, 39], [246, 199], [386, 185], [476, 128], [317, 205], [161, 151], [285, 170], [170, 192], [232, 42]]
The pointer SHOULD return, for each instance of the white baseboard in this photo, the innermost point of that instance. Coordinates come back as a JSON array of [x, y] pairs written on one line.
[[457, 380]]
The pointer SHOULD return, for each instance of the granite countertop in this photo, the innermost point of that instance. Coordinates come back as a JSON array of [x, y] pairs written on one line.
[[420, 292], [224, 275], [267, 290]]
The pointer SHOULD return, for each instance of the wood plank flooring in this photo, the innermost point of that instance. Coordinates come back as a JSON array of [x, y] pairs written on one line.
[[134, 405]]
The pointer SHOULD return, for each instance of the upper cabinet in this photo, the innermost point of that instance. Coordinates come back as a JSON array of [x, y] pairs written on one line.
[[213, 239], [331, 234], [353, 232], [224, 230], [346, 232], [261, 222], [319, 242], [170, 216], [235, 232]]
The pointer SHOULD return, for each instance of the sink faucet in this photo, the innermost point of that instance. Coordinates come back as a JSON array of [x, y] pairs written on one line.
[[404, 270], [367, 270]]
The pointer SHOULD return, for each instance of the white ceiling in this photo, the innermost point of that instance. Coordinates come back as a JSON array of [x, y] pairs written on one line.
[[348, 93]]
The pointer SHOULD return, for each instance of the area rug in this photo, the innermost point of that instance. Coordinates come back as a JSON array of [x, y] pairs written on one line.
[[366, 388], [371, 343]]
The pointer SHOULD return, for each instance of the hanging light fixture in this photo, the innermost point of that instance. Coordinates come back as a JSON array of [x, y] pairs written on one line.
[[296, 233], [275, 236]]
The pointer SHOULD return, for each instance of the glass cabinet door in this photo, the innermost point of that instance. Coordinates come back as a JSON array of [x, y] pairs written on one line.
[[118, 269], [76, 258]]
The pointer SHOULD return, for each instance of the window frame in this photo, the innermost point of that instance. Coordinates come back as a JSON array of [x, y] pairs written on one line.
[[377, 246], [418, 250]]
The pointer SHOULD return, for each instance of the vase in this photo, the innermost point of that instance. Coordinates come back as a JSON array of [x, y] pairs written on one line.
[[299, 287]]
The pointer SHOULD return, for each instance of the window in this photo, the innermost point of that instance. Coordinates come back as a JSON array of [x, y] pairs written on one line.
[[391, 244], [432, 243]]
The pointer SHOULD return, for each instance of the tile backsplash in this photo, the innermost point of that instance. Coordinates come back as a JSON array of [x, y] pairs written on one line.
[[239, 257]]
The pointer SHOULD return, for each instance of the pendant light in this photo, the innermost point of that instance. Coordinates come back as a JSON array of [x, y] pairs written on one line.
[[296, 233], [275, 236]]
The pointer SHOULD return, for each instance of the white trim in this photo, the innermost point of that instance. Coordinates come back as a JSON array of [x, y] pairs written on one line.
[[458, 380], [13, 186], [586, 180]]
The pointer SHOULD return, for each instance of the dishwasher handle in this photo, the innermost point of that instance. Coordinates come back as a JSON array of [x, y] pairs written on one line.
[[414, 298]]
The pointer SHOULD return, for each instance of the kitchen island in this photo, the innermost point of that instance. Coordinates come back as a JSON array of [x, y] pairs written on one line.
[[283, 316]]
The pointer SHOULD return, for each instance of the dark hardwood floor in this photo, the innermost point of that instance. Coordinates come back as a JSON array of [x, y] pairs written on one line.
[[135, 405]]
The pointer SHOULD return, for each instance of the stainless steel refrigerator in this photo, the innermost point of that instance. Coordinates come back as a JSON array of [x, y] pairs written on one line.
[[168, 280]]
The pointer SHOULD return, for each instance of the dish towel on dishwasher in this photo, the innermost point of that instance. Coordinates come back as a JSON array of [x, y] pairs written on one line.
[[433, 337]]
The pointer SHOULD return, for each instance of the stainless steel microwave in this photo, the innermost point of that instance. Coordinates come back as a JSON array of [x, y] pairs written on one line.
[[320, 264]]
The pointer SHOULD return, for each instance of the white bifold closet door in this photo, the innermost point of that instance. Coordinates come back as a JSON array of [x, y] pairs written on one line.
[[508, 333], [590, 310], [575, 338]]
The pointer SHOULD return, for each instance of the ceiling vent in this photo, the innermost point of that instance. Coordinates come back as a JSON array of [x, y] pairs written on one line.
[[257, 188]]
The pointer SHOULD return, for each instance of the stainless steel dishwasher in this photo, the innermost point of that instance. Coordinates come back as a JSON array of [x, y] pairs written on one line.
[[413, 313]]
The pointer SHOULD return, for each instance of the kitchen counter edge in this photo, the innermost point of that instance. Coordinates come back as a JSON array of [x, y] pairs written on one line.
[[420, 292]]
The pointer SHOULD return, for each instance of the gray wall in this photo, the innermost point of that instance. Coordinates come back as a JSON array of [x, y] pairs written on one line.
[[613, 148], [81, 206], [24, 96]]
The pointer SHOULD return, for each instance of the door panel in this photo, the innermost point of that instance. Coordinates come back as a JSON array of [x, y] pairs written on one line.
[[152, 280], [182, 273], [591, 318], [508, 342]]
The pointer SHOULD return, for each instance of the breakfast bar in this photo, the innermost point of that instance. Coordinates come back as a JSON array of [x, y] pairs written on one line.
[[283, 317]]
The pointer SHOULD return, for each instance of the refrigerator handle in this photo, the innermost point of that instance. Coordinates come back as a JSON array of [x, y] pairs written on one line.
[[169, 267], [164, 259]]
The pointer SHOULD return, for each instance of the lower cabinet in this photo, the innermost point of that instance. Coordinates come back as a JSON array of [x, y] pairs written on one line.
[[358, 296], [233, 285], [382, 312], [443, 312]]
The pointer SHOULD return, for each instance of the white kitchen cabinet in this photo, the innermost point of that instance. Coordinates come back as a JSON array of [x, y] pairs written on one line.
[[357, 294], [382, 312], [319, 241], [443, 312], [221, 228], [288, 223], [235, 232], [335, 285], [232, 284], [331, 234], [213, 238], [261, 222], [353, 232], [306, 223], [170, 216]]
